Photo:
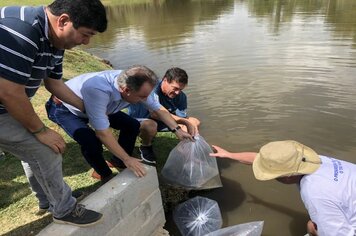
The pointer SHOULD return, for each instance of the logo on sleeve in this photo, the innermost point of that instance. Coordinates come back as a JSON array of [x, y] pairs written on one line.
[[338, 169]]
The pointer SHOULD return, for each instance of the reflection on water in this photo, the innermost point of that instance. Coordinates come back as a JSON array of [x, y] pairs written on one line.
[[160, 24], [260, 70]]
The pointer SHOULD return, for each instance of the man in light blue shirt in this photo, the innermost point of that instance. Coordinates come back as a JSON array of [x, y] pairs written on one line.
[[104, 95]]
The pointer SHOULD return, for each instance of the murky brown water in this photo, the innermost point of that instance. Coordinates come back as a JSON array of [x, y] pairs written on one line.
[[259, 71]]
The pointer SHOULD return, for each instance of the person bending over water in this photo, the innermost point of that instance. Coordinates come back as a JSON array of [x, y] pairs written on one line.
[[327, 185]]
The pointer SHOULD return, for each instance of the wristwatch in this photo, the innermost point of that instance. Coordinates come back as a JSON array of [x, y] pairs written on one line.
[[175, 129]]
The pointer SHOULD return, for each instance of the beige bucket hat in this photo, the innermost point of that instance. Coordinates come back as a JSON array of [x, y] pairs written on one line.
[[284, 158]]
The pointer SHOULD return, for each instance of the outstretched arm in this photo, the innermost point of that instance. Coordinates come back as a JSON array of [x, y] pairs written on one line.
[[243, 157]]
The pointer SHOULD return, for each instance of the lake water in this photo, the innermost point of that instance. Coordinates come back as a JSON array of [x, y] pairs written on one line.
[[259, 71]]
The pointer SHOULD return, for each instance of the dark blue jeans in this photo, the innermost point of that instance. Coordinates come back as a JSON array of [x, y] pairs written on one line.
[[91, 147]]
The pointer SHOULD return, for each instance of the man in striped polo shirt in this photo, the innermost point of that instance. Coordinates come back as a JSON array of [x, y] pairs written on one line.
[[32, 44]]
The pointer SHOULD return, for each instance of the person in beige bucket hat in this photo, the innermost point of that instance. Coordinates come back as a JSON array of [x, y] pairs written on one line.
[[327, 185], [284, 158]]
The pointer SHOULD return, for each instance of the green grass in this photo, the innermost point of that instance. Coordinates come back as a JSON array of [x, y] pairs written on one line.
[[74, 63], [17, 203], [24, 2]]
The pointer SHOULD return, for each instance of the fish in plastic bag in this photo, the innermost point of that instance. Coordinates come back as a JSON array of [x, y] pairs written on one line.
[[248, 229], [197, 216], [189, 164]]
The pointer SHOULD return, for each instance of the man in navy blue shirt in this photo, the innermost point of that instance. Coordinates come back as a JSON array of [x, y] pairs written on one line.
[[32, 44], [170, 95]]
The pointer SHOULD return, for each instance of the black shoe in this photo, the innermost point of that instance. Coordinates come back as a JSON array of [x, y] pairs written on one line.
[[76, 194], [80, 216], [41, 211], [79, 195], [107, 179], [147, 155]]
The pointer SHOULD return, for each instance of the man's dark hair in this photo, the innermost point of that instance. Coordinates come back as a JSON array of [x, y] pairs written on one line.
[[83, 13], [176, 74]]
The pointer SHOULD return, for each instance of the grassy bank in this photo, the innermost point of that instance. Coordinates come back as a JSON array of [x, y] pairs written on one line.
[[17, 203]]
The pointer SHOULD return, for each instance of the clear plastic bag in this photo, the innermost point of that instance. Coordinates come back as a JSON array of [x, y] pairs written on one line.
[[189, 164], [197, 216], [248, 229]]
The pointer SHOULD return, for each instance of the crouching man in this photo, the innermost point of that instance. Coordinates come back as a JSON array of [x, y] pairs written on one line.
[[104, 95], [170, 95]]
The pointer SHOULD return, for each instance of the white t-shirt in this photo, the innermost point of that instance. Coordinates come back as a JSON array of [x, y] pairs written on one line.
[[329, 194]]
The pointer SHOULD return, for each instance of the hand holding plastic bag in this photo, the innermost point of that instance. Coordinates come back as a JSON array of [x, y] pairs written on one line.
[[190, 165]]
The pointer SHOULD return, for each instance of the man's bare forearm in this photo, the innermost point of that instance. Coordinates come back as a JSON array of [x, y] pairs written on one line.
[[59, 89], [16, 102]]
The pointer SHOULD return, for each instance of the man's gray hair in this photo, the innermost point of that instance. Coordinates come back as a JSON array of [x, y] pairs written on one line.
[[135, 76]]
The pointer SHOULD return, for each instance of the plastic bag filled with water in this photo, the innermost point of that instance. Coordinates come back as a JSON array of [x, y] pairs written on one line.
[[248, 229], [189, 164], [197, 216]]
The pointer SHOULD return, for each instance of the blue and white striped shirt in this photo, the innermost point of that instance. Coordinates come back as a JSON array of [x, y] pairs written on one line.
[[26, 54]]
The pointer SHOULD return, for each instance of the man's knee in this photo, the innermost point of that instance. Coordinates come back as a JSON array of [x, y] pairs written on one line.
[[149, 127]]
